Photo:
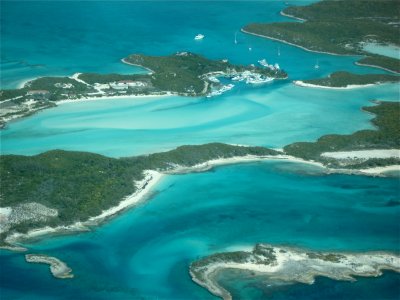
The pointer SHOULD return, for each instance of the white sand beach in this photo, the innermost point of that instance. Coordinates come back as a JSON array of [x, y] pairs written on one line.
[[136, 65], [296, 265], [290, 16], [143, 188], [348, 87], [363, 154], [380, 170], [374, 66], [151, 178], [60, 102], [236, 160]]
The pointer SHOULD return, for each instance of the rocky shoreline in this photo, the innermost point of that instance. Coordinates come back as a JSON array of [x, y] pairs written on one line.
[[291, 265], [58, 268]]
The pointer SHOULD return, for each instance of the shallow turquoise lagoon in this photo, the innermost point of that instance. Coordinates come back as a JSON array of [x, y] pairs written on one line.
[[272, 116], [386, 50], [146, 251]]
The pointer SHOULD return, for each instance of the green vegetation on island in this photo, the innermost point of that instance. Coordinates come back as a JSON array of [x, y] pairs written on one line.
[[183, 73], [81, 185], [387, 136], [287, 264], [47, 88], [63, 187], [344, 79], [383, 62], [339, 27], [383, 11]]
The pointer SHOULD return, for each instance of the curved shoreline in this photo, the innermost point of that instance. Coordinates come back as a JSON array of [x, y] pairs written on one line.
[[151, 178], [348, 87], [144, 187], [377, 67], [295, 45], [291, 265], [58, 268], [291, 16], [136, 65]]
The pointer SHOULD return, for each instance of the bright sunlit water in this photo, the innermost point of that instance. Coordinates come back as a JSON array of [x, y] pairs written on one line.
[[145, 253]]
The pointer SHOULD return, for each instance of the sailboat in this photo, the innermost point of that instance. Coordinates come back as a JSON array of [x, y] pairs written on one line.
[[279, 51], [235, 37], [316, 65]]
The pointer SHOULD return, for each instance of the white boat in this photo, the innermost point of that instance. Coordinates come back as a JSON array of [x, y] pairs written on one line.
[[258, 79], [316, 65], [237, 78], [235, 37], [199, 37], [220, 91], [263, 62], [213, 79]]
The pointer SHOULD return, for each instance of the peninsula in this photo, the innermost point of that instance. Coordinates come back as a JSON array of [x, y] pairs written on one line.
[[59, 189], [346, 80], [290, 265], [183, 73], [58, 268], [341, 27], [385, 137], [63, 190]]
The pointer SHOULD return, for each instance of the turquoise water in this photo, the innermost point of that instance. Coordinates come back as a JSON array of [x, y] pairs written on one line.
[[147, 250], [386, 50], [145, 253], [67, 39], [272, 116], [247, 286]]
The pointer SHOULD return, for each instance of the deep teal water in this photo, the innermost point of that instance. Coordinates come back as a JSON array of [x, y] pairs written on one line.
[[145, 253]]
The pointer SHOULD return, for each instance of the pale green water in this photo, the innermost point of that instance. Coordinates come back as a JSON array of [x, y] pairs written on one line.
[[386, 50], [145, 253], [273, 116]]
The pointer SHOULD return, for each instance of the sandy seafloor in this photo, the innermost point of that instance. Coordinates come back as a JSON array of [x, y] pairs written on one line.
[[145, 253]]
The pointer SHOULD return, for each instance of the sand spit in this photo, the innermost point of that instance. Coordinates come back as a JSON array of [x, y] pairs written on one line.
[[58, 268]]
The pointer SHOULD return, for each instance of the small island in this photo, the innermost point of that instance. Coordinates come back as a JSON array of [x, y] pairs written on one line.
[[341, 27], [347, 80], [58, 268], [183, 73], [290, 265]]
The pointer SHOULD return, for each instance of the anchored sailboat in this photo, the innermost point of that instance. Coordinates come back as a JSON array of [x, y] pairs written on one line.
[[316, 65], [235, 37]]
